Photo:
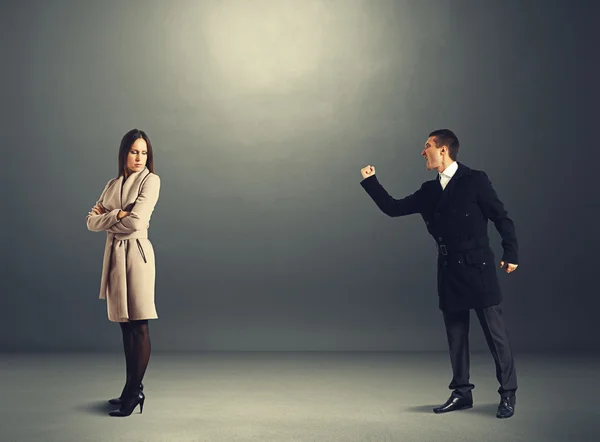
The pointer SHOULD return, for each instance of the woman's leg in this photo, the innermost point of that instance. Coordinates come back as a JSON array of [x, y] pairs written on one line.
[[128, 349], [140, 354], [127, 331]]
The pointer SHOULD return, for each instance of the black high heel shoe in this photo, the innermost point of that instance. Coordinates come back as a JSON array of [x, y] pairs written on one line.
[[129, 404], [119, 400]]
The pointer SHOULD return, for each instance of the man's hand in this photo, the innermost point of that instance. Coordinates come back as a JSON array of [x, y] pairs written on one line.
[[509, 267], [122, 214], [367, 171]]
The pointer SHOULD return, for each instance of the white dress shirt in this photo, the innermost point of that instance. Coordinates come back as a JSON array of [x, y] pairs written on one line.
[[447, 174]]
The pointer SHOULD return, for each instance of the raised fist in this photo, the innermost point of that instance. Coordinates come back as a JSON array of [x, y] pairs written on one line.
[[367, 171]]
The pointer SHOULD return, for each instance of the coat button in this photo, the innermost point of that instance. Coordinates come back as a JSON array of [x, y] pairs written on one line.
[[437, 213], [467, 214], [439, 238]]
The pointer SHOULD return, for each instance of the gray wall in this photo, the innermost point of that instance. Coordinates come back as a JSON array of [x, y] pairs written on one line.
[[262, 114]]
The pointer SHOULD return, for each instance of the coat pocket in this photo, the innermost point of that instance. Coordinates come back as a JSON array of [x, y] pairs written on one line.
[[141, 249], [481, 261], [479, 258]]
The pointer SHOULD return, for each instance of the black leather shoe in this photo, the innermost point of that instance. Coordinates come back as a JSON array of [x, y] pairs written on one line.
[[119, 400], [453, 404], [506, 408]]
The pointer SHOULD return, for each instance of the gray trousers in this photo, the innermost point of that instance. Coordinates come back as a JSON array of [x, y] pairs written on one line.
[[494, 329]]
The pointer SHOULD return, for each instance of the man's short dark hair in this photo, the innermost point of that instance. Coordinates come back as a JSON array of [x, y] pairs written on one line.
[[445, 137]]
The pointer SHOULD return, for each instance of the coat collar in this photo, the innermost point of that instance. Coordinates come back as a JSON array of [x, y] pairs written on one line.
[[449, 171], [130, 188], [461, 171], [446, 194]]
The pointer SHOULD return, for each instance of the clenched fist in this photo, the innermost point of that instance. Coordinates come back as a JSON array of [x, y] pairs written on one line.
[[509, 267], [367, 171]]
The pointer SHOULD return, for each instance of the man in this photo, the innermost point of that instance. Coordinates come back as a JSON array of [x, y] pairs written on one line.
[[456, 207]]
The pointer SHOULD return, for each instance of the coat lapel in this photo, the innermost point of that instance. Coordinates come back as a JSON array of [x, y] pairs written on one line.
[[131, 187], [446, 194]]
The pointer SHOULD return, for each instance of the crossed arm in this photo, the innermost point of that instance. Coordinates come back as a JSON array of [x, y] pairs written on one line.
[[126, 221]]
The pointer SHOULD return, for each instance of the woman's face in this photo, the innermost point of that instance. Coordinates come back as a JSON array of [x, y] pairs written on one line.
[[137, 156]]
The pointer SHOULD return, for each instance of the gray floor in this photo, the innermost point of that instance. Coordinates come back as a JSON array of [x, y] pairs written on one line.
[[294, 397]]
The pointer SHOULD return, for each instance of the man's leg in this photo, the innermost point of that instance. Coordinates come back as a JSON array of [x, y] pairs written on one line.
[[457, 331], [497, 339], [496, 335]]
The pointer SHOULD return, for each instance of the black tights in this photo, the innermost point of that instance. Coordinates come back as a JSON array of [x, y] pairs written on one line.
[[136, 344]]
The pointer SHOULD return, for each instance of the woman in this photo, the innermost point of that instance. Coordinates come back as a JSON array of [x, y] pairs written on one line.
[[123, 211]]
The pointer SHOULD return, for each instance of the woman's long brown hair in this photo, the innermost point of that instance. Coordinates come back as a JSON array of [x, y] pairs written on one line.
[[126, 142]]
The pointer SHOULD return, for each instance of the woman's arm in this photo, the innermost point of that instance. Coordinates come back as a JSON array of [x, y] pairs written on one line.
[[141, 212], [98, 222]]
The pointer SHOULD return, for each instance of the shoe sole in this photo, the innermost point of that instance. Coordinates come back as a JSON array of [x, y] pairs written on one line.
[[464, 407], [504, 417]]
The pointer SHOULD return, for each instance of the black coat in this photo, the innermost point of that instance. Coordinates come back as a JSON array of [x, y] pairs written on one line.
[[457, 219]]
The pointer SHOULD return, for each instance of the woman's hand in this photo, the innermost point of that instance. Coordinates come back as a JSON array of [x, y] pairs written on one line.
[[122, 214], [98, 209]]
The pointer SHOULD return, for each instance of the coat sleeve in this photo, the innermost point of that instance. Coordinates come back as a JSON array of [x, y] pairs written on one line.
[[494, 210], [99, 223], [142, 208], [389, 205]]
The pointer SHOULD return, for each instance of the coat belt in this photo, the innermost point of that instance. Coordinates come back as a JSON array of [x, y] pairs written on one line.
[[462, 246], [138, 234]]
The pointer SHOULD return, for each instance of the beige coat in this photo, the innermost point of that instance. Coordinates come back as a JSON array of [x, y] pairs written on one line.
[[128, 270]]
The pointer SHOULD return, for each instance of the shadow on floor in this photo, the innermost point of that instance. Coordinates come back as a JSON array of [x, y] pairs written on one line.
[[484, 409], [487, 409], [427, 409], [98, 407]]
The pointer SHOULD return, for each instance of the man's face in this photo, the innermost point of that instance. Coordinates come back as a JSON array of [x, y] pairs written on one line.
[[432, 155]]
